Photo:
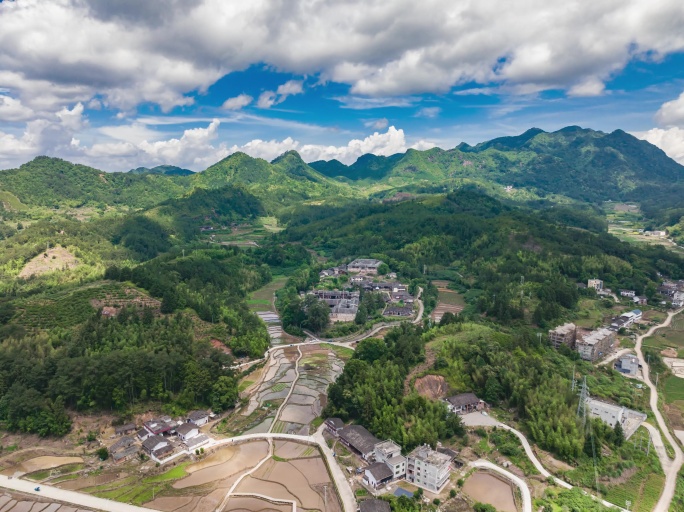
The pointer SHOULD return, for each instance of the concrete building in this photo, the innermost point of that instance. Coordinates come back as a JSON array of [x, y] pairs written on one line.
[[627, 293], [389, 453], [641, 300], [565, 334], [428, 468], [596, 284], [629, 365], [595, 344], [613, 413], [334, 425]]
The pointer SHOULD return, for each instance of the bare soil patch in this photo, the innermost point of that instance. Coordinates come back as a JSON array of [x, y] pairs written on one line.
[[487, 488], [55, 258], [431, 387]]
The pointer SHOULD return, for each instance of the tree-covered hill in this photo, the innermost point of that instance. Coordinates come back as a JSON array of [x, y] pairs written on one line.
[[286, 181], [53, 182]]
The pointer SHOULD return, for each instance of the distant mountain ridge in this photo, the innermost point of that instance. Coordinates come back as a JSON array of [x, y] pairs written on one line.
[[574, 162], [168, 170]]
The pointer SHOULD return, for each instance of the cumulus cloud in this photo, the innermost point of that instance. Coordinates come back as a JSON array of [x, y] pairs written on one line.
[[670, 140], [238, 102], [72, 119], [66, 51], [388, 143], [11, 109], [671, 113]]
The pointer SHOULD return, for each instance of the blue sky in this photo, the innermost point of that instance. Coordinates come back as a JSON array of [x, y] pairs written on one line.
[[118, 85]]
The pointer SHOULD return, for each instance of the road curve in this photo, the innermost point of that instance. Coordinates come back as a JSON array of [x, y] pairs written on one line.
[[524, 490], [671, 472]]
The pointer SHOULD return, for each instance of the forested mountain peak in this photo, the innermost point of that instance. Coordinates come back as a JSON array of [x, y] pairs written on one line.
[[168, 170]]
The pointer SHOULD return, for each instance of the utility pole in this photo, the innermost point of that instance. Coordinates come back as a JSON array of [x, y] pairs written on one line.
[[325, 498], [657, 375], [572, 386], [582, 405], [648, 448]]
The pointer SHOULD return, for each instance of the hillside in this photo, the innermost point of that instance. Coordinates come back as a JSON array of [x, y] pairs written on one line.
[[167, 170]]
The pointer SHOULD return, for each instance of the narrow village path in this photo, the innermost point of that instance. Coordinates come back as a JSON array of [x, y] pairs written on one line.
[[289, 394], [675, 465], [268, 456]]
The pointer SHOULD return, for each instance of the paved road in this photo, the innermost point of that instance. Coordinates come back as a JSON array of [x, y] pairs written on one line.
[[71, 497], [524, 490], [615, 356], [670, 472], [479, 419]]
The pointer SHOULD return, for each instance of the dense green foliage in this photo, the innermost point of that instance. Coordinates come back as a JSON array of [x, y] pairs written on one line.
[[107, 364], [526, 265], [371, 391]]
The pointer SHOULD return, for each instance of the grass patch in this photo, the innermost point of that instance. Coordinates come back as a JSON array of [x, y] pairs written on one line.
[[343, 353], [317, 422], [278, 387], [361, 492], [171, 474], [673, 388], [279, 459], [244, 385]]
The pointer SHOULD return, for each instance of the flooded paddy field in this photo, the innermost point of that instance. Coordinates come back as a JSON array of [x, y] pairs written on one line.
[[487, 488], [318, 367], [11, 501]]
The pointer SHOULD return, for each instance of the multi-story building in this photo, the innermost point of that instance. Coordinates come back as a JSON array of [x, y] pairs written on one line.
[[595, 344], [364, 266], [565, 334], [428, 468], [389, 452]]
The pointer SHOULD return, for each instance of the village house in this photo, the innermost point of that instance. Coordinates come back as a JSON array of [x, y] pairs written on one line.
[[334, 425], [160, 426], [593, 345], [364, 266], [143, 434], [428, 468], [378, 474], [359, 440], [565, 334], [195, 442], [187, 431], [374, 505], [611, 414], [128, 428], [389, 453], [465, 403], [596, 284], [678, 299], [627, 293], [640, 300], [123, 449], [157, 446], [400, 311], [199, 418]]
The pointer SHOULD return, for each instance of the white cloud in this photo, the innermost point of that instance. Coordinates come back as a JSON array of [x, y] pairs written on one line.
[[388, 143], [670, 140], [671, 113], [266, 99], [361, 103], [11, 109], [63, 52], [377, 124], [238, 102], [72, 119], [429, 112], [269, 98]]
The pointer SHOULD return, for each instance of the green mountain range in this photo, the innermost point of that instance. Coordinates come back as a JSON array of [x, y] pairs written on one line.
[[580, 164]]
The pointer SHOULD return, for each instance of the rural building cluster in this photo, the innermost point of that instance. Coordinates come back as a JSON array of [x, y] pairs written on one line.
[[363, 277], [160, 437]]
